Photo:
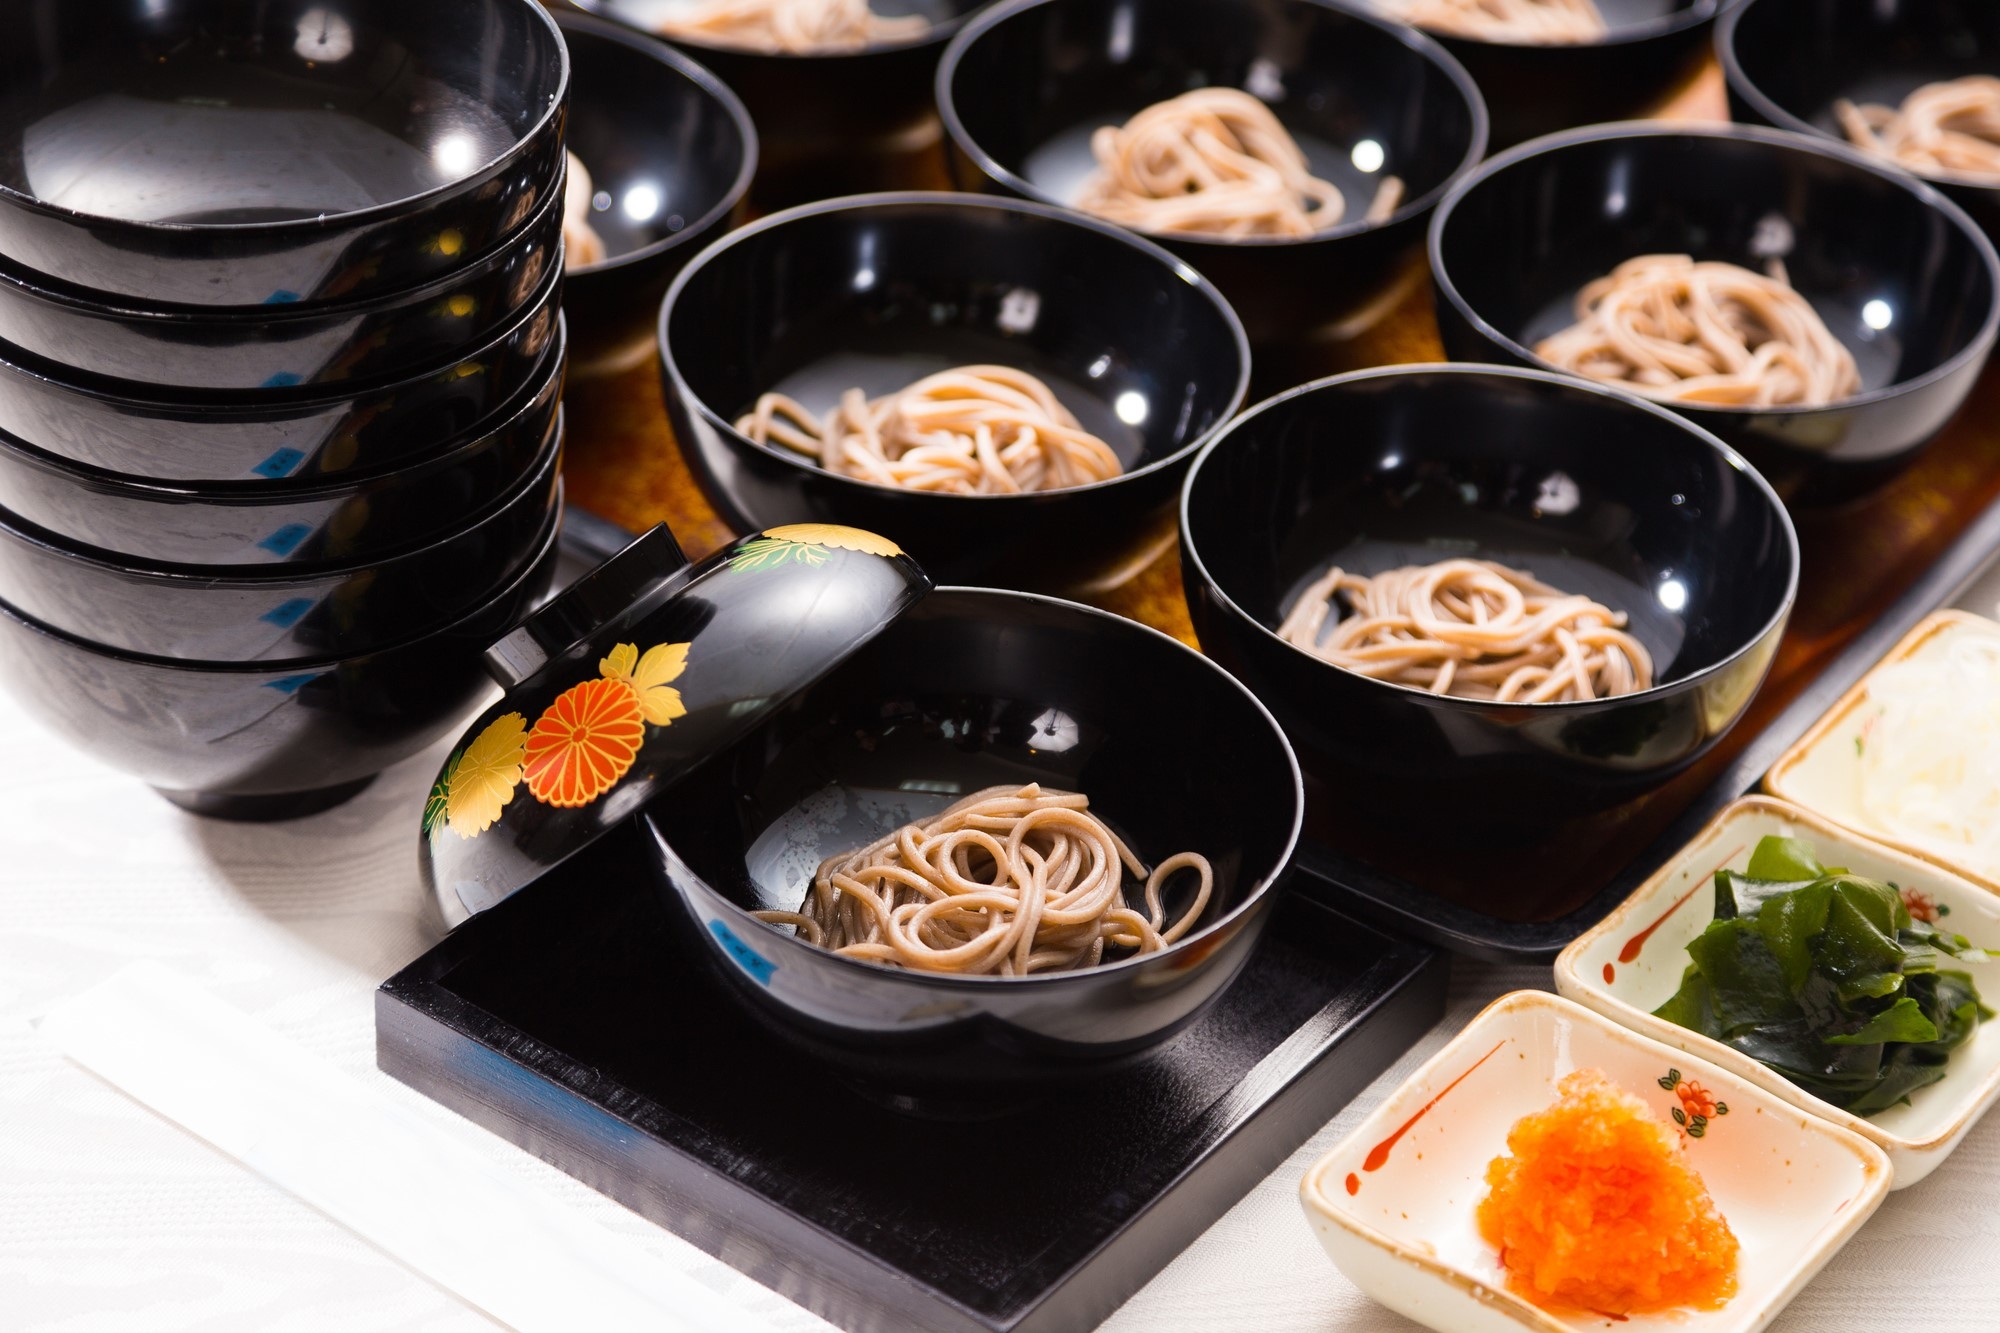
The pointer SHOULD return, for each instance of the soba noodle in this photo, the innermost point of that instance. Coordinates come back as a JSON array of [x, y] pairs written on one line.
[[581, 243], [1472, 629], [1942, 129], [1008, 881], [1214, 162], [1682, 332], [973, 430], [1529, 22], [792, 27]]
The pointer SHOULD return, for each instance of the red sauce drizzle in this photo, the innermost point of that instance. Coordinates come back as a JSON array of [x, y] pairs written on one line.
[[1353, 1183], [1610, 974], [1638, 942], [1379, 1154]]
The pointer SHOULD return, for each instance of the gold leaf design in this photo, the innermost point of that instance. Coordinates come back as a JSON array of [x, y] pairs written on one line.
[[650, 677]]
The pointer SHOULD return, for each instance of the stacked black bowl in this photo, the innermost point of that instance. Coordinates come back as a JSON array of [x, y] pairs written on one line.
[[280, 377]]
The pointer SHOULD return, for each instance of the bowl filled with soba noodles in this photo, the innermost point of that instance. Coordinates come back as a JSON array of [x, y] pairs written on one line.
[[1914, 84], [1009, 391], [1823, 311], [1288, 149], [1483, 601], [1548, 65]]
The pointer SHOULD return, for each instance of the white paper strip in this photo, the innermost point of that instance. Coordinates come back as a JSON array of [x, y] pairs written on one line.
[[404, 1184]]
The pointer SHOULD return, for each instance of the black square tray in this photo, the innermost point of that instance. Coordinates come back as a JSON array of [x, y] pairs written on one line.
[[574, 1020]]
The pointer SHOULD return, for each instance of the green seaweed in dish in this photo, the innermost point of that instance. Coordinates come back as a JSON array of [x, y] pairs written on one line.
[[1828, 979]]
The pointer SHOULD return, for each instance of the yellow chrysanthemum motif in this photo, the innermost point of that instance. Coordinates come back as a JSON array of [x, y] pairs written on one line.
[[487, 773], [836, 536], [648, 676]]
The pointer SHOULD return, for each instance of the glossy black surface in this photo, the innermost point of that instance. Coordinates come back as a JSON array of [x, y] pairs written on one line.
[[289, 520], [1514, 243], [1023, 87], [578, 1021], [974, 688], [1592, 491], [876, 293], [281, 346], [209, 152], [1786, 62], [1652, 47], [261, 613], [265, 739], [295, 433], [671, 152], [827, 124]]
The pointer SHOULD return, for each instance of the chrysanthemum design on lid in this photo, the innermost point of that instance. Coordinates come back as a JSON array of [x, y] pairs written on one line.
[[632, 678]]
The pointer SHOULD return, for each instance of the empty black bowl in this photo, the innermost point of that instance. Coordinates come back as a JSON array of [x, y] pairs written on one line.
[[1787, 62], [266, 740], [1651, 48], [263, 613], [829, 123], [1024, 86], [1897, 271], [207, 152], [879, 291], [970, 689], [670, 151], [351, 516], [278, 346], [272, 434], [1592, 490]]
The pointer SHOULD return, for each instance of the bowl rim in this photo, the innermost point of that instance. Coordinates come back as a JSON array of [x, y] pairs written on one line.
[[1692, 15], [1260, 889], [1190, 549], [622, 34], [936, 34], [546, 544], [1976, 348], [1419, 42], [334, 222], [952, 200], [1739, 82]]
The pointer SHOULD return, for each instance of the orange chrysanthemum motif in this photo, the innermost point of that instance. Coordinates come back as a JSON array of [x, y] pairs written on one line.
[[836, 536], [584, 742]]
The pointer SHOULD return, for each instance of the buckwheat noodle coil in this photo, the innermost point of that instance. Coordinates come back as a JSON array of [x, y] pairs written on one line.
[[1539, 22], [1214, 162], [792, 27], [1472, 629], [581, 243], [1684, 332], [1008, 881], [1951, 128], [972, 430]]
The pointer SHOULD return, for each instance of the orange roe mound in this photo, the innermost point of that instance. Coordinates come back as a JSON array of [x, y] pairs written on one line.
[[1597, 1208]]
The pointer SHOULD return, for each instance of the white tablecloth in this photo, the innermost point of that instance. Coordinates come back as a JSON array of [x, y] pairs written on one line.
[[114, 1219]]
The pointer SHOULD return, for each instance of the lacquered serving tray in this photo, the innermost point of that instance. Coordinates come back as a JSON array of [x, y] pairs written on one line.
[[577, 1020]]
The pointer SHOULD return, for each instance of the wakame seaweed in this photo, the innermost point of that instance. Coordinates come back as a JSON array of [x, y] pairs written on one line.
[[1825, 977]]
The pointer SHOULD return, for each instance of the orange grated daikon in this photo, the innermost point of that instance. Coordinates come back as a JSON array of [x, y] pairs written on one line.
[[1598, 1209]]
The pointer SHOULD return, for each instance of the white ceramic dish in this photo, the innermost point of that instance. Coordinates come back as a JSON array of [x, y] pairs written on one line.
[[1630, 964], [1394, 1203], [1822, 770]]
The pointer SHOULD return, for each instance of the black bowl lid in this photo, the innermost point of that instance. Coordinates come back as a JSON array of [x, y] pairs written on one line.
[[633, 677]]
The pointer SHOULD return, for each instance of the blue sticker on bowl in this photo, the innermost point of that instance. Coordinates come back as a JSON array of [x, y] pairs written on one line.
[[747, 958], [279, 464], [287, 614], [286, 539]]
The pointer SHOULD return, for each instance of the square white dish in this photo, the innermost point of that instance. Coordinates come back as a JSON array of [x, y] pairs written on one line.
[[1394, 1202], [1631, 963]]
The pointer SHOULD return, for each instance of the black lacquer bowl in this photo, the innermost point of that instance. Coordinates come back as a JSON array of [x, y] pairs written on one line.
[[969, 689], [880, 291], [1897, 271], [831, 122], [266, 613], [266, 740], [1024, 86], [208, 152], [1786, 63], [192, 348], [305, 434], [353, 515], [1590, 489], [670, 151], [1652, 47]]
